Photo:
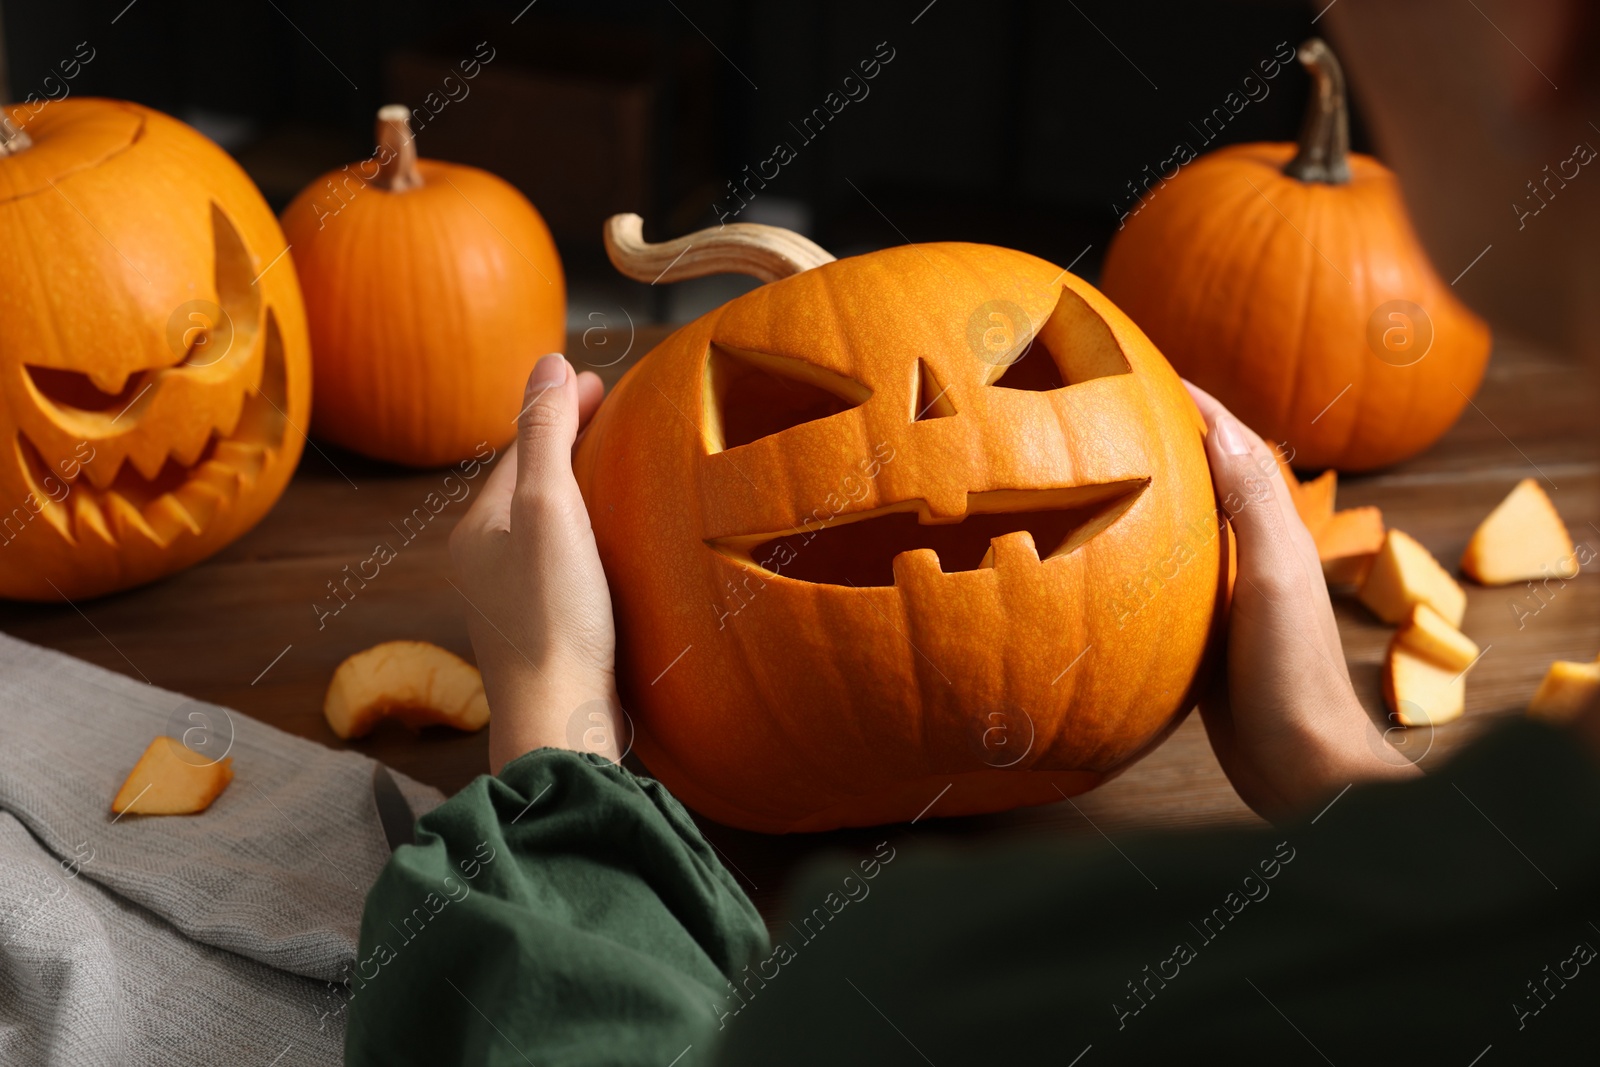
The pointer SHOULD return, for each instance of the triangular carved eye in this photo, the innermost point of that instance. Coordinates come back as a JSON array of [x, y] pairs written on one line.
[[751, 395], [229, 325], [1074, 345], [930, 399]]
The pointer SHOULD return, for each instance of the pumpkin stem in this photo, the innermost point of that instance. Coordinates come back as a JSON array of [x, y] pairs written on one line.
[[12, 138], [765, 252], [397, 151], [1325, 134]]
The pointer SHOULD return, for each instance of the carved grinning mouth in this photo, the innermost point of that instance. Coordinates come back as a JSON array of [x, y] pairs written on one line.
[[160, 495], [159, 483], [860, 549], [753, 396]]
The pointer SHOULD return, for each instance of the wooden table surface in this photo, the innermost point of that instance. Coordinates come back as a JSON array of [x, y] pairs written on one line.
[[240, 630]]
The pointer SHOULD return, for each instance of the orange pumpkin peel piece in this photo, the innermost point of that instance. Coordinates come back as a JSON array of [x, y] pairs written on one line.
[[1404, 574], [170, 779], [414, 682], [1522, 539], [1567, 689], [1347, 541], [1424, 672]]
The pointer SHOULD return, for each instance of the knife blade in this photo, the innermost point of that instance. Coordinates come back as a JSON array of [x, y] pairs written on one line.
[[399, 824]]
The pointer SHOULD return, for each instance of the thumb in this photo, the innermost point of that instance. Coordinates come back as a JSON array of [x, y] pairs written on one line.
[[547, 427]]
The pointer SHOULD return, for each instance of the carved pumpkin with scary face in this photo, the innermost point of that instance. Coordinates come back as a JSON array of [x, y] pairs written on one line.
[[154, 357], [928, 530]]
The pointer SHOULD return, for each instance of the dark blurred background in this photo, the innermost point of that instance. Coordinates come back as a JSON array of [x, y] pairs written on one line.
[[1010, 122]]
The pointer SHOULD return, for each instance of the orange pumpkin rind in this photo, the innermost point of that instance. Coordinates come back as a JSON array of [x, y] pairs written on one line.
[[414, 682], [1522, 539], [170, 779], [984, 438]]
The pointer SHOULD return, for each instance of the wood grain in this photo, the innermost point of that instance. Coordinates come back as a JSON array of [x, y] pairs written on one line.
[[240, 630]]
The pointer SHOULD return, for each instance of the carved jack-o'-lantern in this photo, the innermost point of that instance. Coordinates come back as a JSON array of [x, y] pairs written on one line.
[[928, 530], [153, 357]]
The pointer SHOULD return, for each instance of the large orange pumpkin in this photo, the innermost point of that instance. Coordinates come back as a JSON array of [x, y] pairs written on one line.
[[432, 289], [152, 349], [822, 509], [1287, 281]]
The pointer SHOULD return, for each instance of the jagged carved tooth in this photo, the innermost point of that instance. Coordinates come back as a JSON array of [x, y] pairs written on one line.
[[102, 469], [220, 476], [227, 419], [201, 500], [1011, 550], [188, 453], [88, 520], [110, 380], [243, 456], [916, 567], [167, 516], [148, 457], [126, 520]]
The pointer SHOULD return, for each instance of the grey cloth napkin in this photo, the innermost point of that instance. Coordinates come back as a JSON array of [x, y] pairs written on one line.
[[219, 938]]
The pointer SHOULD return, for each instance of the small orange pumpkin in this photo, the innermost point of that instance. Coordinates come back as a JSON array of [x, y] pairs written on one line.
[[1287, 281], [432, 289], [153, 352], [823, 507]]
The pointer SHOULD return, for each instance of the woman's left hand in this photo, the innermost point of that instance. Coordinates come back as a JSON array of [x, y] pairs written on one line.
[[538, 608]]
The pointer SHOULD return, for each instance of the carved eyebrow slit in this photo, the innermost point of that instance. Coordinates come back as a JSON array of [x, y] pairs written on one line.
[[1072, 346], [752, 395]]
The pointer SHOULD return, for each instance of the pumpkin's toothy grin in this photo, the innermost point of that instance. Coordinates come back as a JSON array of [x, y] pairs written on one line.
[[860, 549], [119, 485]]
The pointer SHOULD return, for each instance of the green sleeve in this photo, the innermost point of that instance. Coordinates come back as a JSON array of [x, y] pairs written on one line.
[[565, 912]]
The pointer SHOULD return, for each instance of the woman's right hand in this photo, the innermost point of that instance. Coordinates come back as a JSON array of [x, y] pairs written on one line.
[[1285, 724]]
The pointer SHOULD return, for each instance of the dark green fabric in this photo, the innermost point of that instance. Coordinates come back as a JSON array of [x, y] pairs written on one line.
[[1400, 926], [566, 912], [1434, 921]]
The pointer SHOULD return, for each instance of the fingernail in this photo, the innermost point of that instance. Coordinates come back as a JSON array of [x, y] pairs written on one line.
[[550, 370], [1229, 437]]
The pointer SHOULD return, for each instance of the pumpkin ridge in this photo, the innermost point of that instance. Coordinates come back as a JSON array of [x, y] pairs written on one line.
[[1364, 369], [1239, 245], [1210, 277], [1315, 257]]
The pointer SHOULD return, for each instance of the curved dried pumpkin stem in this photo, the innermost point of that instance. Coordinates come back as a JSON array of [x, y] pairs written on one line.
[[13, 139], [765, 252], [1325, 135], [397, 151]]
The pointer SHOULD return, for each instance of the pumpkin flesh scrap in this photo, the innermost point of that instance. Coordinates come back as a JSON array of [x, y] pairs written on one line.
[[1522, 539], [170, 779], [1429, 634], [1421, 692], [414, 682], [1403, 574], [1567, 689]]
